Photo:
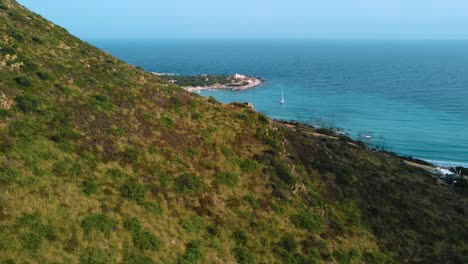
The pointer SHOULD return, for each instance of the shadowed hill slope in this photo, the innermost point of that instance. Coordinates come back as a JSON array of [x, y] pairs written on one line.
[[102, 162]]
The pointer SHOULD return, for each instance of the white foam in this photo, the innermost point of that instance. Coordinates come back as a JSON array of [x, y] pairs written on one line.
[[446, 163]]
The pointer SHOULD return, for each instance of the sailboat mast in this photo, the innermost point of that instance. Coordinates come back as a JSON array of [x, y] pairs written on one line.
[[282, 96]]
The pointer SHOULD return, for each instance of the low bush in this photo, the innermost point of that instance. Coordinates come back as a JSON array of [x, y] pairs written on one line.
[[89, 187], [193, 253], [97, 223], [29, 219], [102, 103], [16, 34], [252, 202], [342, 257], [31, 242], [115, 173], [283, 171], [8, 175], [135, 256], [188, 183], [229, 179], [166, 122], [27, 103], [37, 39], [239, 237], [212, 100], [243, 255], [29, 65], [285, 256], [248, 165], [288, 243], [43, 75], [7, 50], [153, 208], [47, 231], [131, 224], [23, 81], [192, 224], [145, 240], [309, 221], [92, 255], [131, 155], [134, 191]]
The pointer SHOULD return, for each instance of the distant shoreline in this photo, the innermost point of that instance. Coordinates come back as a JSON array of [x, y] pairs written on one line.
[[236, 82]]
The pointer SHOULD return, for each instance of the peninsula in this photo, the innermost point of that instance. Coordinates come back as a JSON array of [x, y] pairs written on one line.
[[236, 82]]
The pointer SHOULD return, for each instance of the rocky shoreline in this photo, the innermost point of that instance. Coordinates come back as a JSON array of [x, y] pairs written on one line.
[[236, 82]]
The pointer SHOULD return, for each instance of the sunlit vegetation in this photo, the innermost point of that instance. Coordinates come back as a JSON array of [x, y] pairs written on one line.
[[102, 162]]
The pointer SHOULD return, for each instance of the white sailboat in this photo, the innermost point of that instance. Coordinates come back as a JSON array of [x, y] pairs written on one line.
[[282, 97]]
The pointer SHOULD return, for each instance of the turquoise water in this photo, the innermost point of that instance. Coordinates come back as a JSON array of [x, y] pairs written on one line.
[[411, 97]]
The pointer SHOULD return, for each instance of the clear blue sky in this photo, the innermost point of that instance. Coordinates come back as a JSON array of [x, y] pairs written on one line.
[[322, 19]]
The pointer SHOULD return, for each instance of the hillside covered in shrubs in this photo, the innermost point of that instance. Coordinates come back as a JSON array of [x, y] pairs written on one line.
[[101, 162]]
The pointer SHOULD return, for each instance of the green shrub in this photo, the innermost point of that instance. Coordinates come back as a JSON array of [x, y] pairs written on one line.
[[196, 116], [192, 152], [239, 237], [192, 224], [89, 187], [188, 183], [243, 255], [229, 179], [213, 231], [167, 122], [153, 208], [47, 231], [16, 34], [7, 50], [175, 101], [285, 255], [43, 75], [37, 39], [29, 219], [252, 201], [28, 103], [248, 165], [145, 240], [28, 65], [309, 221], [134, 256], [97, 222], [376, 257], [288, 243], [3, 7], [23, 81], [31, 242], [193, 254], [8, 175], [132, 224], [212, 100], [5, 242], [283, 172], [115, 173], [342, 257], [92, 255], [131, 155], [134, 191], [102, 103]]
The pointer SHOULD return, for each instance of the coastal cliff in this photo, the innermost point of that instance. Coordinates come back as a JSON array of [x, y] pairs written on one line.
[[102, 162]]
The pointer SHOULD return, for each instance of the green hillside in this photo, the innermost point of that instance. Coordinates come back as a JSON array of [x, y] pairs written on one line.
[[102, 162]]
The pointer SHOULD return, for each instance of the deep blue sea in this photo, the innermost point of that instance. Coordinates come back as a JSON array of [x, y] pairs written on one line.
[[411, 97]]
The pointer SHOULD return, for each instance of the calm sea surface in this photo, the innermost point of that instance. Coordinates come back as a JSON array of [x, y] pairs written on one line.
[[410, 97]]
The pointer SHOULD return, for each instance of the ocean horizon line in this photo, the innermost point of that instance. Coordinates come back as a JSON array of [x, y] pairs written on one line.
[[276, 39]]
